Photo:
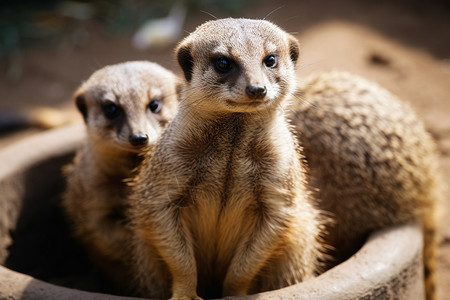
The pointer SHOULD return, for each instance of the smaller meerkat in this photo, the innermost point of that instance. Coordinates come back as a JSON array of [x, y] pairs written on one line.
[[370, 158], [222, 208], [125, 108]]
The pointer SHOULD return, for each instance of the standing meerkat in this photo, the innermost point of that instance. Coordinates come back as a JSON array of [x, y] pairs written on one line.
[[125, 108], [372, 160], [222, 206]]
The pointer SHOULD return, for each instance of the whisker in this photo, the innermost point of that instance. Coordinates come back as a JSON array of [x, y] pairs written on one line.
[[299, 95], [209, 14], [273, 11]]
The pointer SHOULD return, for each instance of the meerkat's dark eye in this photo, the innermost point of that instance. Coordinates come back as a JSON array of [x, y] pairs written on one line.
[[155, 106], [222, 64], [111, 110], [271, 61]]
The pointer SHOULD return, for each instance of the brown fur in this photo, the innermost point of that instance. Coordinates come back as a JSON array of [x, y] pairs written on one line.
[[95, 200], [371, 159], [221, 207]]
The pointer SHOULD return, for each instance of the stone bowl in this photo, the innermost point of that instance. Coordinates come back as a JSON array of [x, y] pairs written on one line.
[[39, 259]]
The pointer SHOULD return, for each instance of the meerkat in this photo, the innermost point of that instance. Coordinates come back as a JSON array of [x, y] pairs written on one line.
[[125, 108], [370, 158], [222, 207]]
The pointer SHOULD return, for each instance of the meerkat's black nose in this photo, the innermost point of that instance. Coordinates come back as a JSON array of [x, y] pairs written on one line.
[[138, 139], [256, 91]]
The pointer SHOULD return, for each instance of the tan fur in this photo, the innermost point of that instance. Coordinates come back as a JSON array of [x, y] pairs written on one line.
[[95, 200], [222, 204], [371, 159]]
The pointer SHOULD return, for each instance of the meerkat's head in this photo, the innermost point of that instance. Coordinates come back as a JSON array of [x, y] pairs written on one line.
[[238, 65], [126, 106]]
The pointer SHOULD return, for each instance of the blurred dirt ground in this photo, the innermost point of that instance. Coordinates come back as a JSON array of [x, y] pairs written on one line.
[[403, 45]]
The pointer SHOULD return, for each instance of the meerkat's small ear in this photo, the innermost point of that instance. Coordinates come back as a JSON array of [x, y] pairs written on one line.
[[80, 102], [294, 48], [185, 60]]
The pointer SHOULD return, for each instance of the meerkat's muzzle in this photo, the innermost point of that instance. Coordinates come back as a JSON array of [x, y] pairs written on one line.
[[256, 91], [139, 139]]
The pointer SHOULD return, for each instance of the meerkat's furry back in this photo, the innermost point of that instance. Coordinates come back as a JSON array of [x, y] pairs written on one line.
[[370, 157]]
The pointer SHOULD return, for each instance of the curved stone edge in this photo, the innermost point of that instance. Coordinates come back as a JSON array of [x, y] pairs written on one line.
[[15, 285], [389, 264], [21, 154]]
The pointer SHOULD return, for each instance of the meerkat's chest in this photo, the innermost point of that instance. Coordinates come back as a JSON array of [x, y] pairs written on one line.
[[227, 185], [222, 173]]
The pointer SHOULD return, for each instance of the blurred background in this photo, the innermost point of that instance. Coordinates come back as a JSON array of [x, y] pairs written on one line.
[[47, 48]]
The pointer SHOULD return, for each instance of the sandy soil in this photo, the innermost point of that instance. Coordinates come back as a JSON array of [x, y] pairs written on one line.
[[403, 45]]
